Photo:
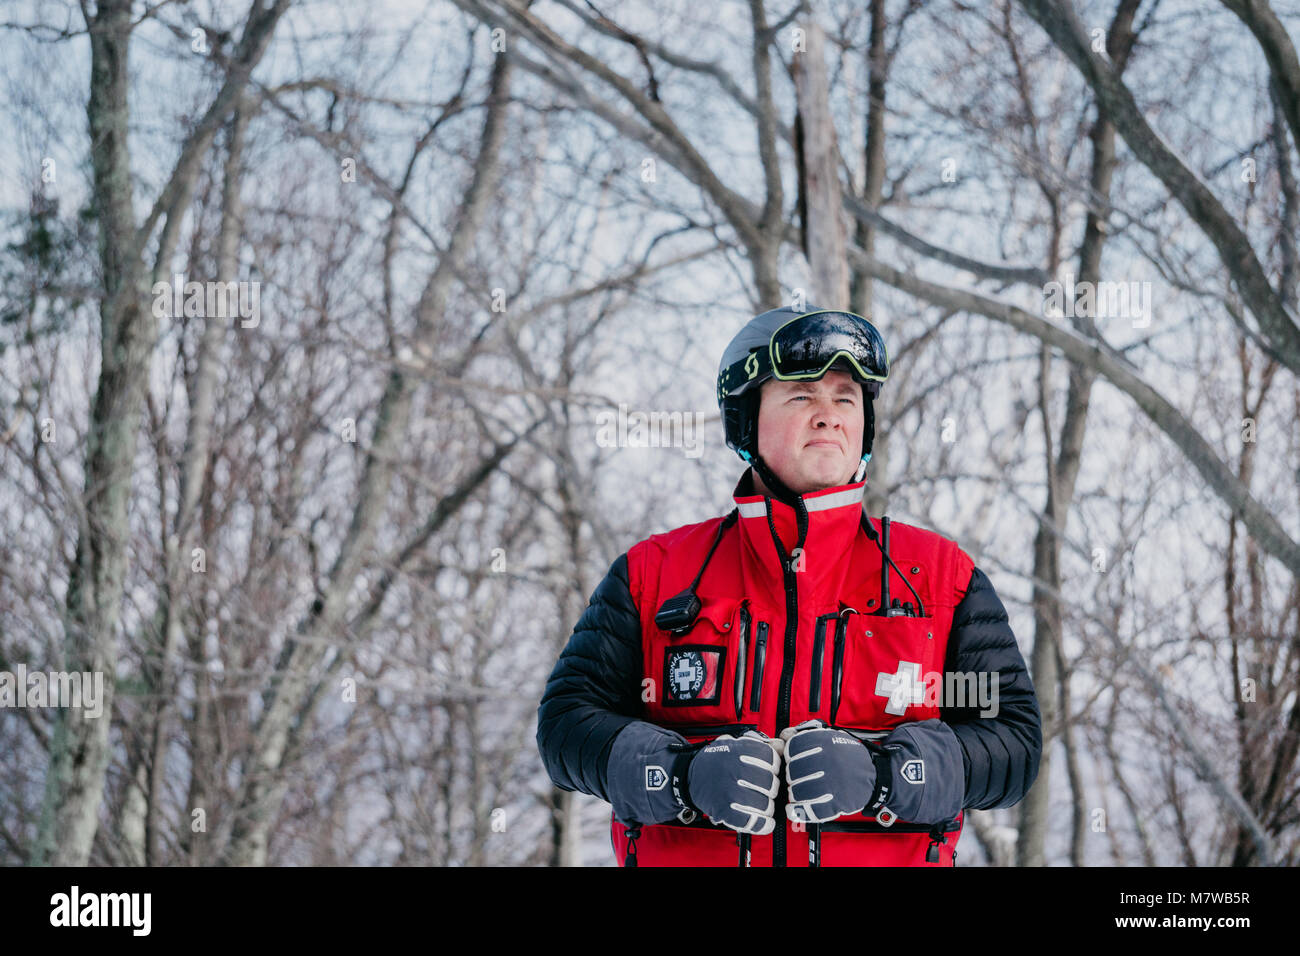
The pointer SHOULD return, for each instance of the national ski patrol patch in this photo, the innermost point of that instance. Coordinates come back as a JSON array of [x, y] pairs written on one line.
[[913, 771], [693, 674]]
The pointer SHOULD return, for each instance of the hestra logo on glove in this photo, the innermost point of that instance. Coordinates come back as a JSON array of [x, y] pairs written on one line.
[[655, 778], [692, 675], [913, 771]]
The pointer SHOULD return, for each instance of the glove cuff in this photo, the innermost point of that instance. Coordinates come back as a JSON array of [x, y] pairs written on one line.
[[884, 781], [644, 761], [680, 775]]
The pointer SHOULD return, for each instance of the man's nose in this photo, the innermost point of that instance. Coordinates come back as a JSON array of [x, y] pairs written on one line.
[[828, 415]]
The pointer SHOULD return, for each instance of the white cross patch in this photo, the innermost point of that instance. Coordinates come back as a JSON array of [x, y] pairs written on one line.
[[903, 687], [687, 675]]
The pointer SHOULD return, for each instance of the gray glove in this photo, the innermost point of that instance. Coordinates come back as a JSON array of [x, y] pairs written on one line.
[[829, 772], [733, 781], [654, 776], [646, 775], [920, 774], [915, 774]]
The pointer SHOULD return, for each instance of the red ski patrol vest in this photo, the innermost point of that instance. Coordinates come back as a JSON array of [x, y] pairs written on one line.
[[776, 645]]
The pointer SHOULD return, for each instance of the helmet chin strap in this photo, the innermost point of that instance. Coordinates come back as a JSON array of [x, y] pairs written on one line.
[[781, 491], [777, 488]]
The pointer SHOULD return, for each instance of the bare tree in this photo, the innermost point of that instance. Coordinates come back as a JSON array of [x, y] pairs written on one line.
[[326, 563], [79, 749]]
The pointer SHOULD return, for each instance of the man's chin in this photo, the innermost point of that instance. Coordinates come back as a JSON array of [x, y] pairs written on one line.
[[821, 478]]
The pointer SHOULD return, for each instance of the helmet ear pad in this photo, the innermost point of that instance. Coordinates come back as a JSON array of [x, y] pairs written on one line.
[[740, 421]]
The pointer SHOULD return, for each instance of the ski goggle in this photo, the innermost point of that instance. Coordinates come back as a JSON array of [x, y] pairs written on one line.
[[808, 345]]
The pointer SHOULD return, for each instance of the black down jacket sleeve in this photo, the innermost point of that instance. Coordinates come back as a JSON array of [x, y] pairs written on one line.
[[1002, 751], [594, 691]]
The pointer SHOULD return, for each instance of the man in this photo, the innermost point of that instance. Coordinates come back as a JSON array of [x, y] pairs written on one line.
[[769, 688]]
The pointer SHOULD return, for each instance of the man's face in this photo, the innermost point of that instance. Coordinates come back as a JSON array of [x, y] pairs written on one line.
[[810, 433]]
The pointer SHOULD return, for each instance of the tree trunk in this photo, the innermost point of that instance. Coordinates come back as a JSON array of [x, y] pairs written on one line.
[[1062, 475], [819, 163], [74, 783]]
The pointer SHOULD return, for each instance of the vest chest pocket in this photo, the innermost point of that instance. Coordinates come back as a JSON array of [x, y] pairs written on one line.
[[700, 674], [883, 671]]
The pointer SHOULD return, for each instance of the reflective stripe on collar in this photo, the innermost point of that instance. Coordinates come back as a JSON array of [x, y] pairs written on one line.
[[814, 501], [837, 499]]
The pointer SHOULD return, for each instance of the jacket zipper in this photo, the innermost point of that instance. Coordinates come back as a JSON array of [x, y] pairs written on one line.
[[871, 826], [819, 642], [787, 679], [937, 839], [742, 660], [760, 658], [699, 823], [837, 665], [705, 730], [938, 833], [632, 832]]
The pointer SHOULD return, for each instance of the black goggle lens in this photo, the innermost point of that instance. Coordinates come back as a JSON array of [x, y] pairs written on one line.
[[806, 346]]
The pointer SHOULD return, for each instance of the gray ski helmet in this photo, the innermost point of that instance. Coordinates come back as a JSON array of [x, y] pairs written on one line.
[[816, 340]]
